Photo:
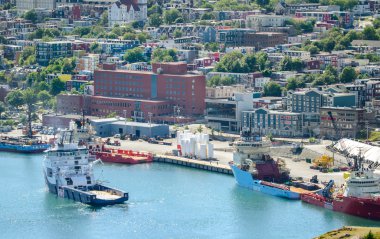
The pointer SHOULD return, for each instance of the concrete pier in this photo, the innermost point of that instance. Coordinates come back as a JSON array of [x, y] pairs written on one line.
[[211, 166]]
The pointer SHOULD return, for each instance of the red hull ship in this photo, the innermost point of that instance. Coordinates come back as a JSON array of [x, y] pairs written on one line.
[[360, 197], [361, 207], [123, 156]]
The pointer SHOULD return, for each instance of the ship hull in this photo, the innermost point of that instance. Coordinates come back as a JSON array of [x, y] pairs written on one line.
[[85, 196], [123, 159], [361, 207], [24, 149], [244, 179]]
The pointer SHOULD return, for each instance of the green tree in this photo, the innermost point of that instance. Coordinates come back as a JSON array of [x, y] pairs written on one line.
[[369, 33], [57, 86], [232, 62], [134, 55], [369, 236], [208, 16], [44, 97], [142, 37], [95, 48], [3, 108], [155, 20], [272, 89], [104, 19], [376, 23], [30, 99], [14, 99], [313, 50], [294, 83], [3, 78], [177, 33], [164, 55], [27, 56], [286, 63], [171, 16], [212, 46], [81, 31], [200, 129], [31, 15], [129, 36], [348, 75]]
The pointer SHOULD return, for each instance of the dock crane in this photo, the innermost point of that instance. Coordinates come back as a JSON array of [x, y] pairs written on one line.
[[337, 133], [325, 161]]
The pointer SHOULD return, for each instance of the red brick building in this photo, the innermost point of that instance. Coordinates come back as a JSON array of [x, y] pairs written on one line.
[[138, 93]]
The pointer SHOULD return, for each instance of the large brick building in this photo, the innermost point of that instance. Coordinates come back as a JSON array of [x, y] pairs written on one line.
[[348, 121], [168, 88]]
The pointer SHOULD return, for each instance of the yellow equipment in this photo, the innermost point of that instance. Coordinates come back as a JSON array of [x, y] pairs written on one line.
[[324, 161]]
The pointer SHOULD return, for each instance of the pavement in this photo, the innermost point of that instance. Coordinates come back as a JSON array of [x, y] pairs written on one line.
[[223, 154]]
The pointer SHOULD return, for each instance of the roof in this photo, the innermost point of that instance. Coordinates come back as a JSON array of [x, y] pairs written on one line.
[[129, 4], [121, 121], [365, 43]]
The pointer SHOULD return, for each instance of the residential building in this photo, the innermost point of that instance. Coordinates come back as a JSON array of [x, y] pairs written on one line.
[[288, 9], [341, 122], [261, 40], [127, 11], [116, 46], [308, 103], [260, 83], [270, 122], [46, 51], [220, 92], [89, 62], [25, 5], [303, 55], [323, 16], [246, 79], [225, 114], [257, 21]]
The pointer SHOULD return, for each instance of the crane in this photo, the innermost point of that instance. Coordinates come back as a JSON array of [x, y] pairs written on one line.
[[337, 133]]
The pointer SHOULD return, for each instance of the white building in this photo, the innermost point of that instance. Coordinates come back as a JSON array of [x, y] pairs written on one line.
[[256, 21], [260, 83], [221, 92], [127, 11], [303, 55], [26, 5]]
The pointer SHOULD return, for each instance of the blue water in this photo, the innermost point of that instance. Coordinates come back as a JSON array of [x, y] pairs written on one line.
[[166, 201]]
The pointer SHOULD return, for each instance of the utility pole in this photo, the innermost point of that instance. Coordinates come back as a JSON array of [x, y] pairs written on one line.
[[367, 126], [125, 121], [150, 124]]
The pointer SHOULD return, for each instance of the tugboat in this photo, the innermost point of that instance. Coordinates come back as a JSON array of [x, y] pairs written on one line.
[[360, 195], [110, 155], [253, 168], [23, 145], [69, 174]]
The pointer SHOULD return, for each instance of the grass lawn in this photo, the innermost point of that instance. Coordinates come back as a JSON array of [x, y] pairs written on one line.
[[351, 232]]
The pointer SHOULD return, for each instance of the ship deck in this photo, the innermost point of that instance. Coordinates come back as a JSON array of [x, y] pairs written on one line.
[[104, 195], [300, 190]]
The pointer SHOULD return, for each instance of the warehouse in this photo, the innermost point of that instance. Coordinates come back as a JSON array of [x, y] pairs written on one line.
[[110, 127]]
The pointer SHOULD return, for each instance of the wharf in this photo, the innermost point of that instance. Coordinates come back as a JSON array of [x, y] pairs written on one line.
[[194, 163]]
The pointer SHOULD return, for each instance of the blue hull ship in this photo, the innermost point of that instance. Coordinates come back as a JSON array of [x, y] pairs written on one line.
[[245, 179], [20, 148]]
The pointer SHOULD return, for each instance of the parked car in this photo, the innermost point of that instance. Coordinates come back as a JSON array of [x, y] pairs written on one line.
[[117, 136]]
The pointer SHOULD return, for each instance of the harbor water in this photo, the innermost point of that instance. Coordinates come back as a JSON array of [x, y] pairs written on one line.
[[166, 201]]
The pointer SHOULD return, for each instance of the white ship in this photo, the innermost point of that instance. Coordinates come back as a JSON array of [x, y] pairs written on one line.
[[69, 174]]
